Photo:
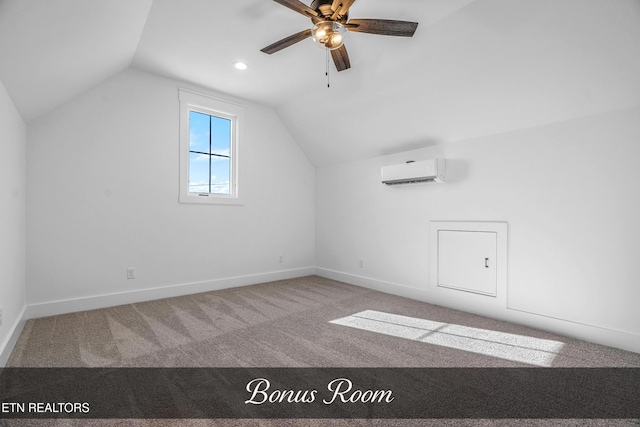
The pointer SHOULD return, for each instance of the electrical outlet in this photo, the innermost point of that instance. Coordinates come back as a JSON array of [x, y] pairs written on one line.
[[0, 315], [131, 273], [361, 263], [281, 259]]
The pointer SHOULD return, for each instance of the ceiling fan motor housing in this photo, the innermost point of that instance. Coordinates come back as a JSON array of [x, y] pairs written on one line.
[[323, 7]]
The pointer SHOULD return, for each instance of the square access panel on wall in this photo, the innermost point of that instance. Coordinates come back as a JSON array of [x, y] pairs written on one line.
[[469, 261]]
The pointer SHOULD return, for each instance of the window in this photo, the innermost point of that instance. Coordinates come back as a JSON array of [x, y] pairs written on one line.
[[209, 153], [209, 129]]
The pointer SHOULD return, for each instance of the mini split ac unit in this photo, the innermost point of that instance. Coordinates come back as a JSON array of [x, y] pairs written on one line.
[[432, 170]]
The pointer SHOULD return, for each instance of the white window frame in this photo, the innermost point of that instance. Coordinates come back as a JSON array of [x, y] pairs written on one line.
[[199, 102]]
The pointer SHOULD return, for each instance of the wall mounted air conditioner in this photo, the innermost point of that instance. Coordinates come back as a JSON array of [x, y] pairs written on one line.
[[432, 170]]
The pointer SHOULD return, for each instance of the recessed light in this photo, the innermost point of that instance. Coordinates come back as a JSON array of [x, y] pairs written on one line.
[[240, 65]]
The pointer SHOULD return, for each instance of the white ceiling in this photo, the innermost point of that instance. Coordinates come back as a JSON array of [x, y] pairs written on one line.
[[473, 68], [53, 50]]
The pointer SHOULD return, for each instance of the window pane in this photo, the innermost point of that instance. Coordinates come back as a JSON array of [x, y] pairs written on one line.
[[199, 132], [198, 173], [220, 175], [220, 136]]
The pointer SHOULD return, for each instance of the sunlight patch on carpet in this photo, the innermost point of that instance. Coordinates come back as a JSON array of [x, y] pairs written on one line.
[[517, 348]]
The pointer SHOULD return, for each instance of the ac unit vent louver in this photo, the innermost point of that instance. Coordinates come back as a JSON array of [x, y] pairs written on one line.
[[425, 171]]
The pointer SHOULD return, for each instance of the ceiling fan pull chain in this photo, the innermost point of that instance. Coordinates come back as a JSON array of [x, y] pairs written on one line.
[[327, 70]]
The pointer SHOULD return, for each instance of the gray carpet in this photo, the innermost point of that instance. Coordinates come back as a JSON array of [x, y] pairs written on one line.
[[305, 322]]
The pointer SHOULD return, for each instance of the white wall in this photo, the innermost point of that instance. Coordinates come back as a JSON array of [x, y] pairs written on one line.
[[569, 192], [102, 191], [12, 218], [103, 196]]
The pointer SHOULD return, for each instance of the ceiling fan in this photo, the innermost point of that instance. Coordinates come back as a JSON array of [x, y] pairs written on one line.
[[331, 22]]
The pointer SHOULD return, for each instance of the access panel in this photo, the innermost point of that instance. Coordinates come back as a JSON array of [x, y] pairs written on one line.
[[467, 261]]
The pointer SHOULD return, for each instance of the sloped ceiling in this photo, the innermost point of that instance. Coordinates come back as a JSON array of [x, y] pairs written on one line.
[[473, 68], [53, 50]]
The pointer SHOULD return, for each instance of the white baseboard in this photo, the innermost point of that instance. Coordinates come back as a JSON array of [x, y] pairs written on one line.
[[10, 342], [54, 308], [592, 333], [614, 338]]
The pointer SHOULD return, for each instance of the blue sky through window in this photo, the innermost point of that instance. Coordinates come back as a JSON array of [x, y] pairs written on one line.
[[209, 154]]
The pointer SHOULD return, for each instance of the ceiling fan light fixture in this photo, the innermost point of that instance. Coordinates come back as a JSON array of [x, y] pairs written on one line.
[[328, 34]]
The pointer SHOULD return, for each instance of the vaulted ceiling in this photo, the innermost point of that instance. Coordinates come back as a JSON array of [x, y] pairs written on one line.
[[473, 67]]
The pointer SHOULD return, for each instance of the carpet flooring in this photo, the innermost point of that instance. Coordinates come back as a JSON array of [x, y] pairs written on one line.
[[305, 322]]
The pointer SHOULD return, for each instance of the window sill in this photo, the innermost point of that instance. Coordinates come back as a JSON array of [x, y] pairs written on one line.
[[194, 198]]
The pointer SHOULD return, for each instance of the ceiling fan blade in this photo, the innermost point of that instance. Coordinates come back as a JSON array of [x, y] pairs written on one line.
[[286, 42], [346, 4], [298, 7], [340, 8], [341, 58], [385, 27]]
